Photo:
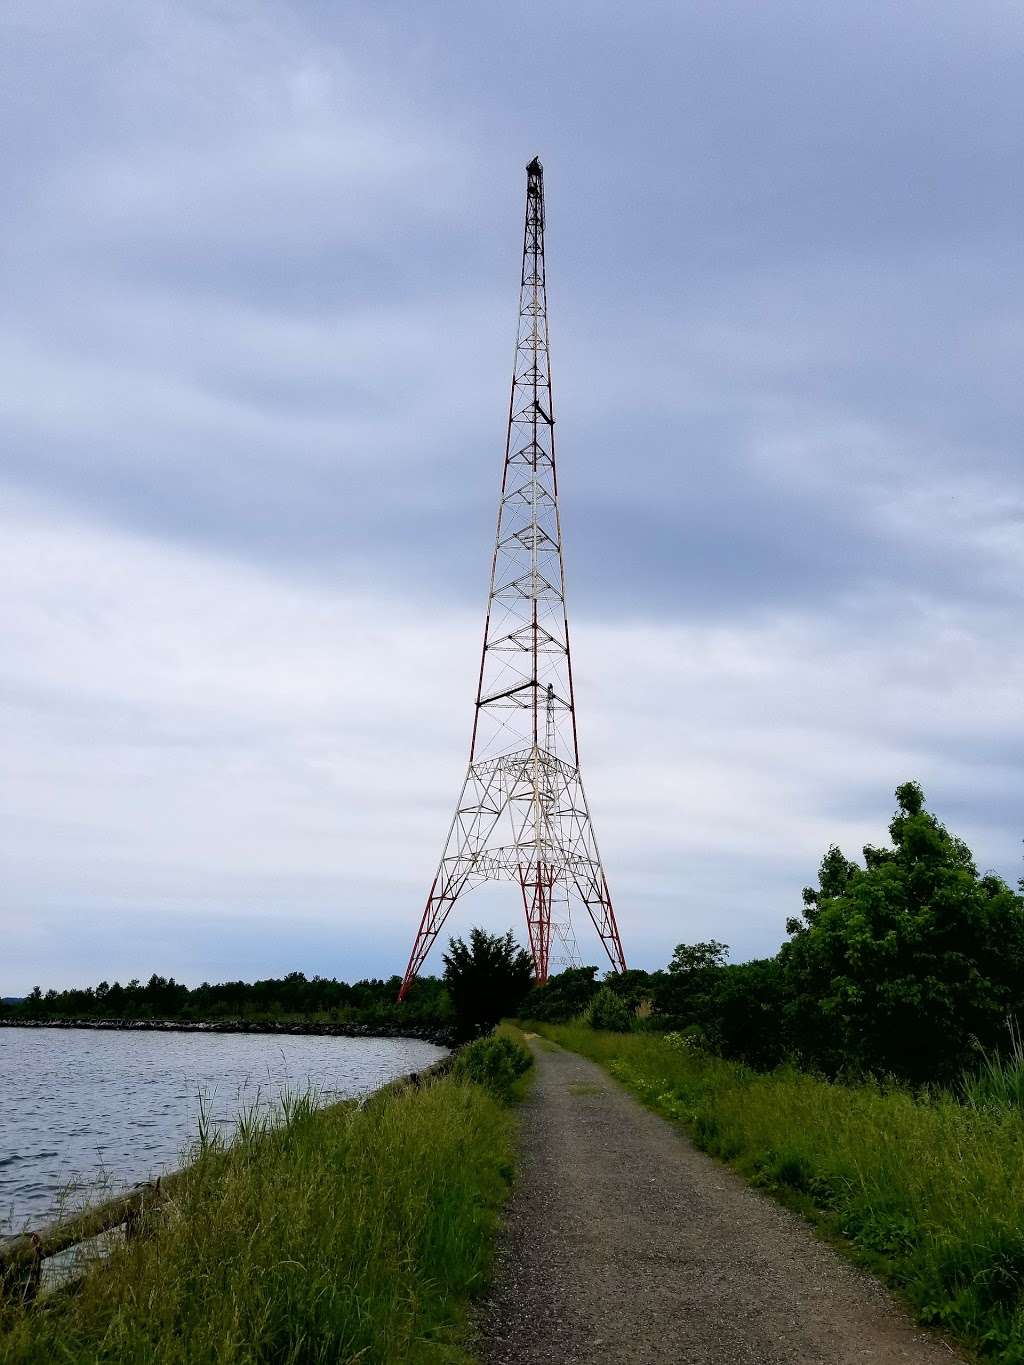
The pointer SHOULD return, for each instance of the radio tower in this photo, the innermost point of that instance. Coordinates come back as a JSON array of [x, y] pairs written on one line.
[[523, 815]]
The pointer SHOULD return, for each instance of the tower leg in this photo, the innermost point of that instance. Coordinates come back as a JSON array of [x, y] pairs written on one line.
[[537, 882], [436, 911], [479, 807], [597, 898]]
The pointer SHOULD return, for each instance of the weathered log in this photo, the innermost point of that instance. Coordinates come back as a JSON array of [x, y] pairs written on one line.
[[49, 1241]]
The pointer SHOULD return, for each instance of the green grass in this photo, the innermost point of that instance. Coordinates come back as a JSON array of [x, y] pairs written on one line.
[[926, 1189], [339, 1234]]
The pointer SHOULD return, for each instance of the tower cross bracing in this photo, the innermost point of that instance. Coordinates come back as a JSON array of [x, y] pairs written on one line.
[[522, 814]]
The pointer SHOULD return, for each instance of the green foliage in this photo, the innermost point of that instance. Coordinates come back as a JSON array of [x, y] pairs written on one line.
[[685, 992], [926, 1189], [633, 987], [907, 964], [339, 1234], [607, 1011], [689, 959], [564, 996], [486, 979], [742, 1012], [497, 1063]]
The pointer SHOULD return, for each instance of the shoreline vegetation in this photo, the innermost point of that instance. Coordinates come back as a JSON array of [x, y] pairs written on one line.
[[343, 1233], [443, 1036], [923, 1186]]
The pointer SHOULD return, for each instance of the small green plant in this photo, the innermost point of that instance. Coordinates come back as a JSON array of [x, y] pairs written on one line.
[[607, 1011], [999, 1081], [496, 1063]]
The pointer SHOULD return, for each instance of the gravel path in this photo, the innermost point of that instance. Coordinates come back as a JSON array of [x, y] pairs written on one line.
[[623, 1243]]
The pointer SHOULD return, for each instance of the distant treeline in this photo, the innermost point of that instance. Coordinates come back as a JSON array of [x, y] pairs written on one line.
[[912, 965], [289, 998]]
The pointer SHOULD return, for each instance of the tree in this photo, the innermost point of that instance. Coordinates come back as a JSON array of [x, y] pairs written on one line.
[[563, 996], [904, 965], [486, 979], [697, 957], [633, 987], [683, 992]]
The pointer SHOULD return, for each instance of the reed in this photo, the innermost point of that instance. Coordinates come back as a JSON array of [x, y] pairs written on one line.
[[342, 1234]]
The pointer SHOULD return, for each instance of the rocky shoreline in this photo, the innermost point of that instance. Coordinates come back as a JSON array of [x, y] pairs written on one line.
[[441, 1037]]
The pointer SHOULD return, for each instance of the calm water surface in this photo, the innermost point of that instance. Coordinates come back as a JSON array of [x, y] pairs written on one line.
[[107, 1109]]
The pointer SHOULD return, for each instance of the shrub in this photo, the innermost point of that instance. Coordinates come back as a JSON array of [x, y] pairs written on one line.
[[606, 1011], [496, 1063], [692, 1039]]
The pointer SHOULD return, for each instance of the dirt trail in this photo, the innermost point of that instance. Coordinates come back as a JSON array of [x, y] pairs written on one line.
[[623, 1243]]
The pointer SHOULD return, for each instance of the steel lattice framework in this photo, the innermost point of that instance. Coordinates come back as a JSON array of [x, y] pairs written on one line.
[[523, 815]]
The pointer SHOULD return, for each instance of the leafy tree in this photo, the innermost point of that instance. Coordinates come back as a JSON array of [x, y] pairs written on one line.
[[908, 963], [290, 998], [684, 992], [688, 958], [487, 979], [563, 996]]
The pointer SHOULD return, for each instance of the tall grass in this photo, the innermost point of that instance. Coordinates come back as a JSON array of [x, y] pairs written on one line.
[[926, 1188], [999, 1081], [343, 1234]]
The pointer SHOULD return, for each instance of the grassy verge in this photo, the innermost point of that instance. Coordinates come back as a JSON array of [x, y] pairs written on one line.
[[927, 1190], [340, 1234]]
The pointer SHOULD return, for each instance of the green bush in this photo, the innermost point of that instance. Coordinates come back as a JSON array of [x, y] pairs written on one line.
[[607, 1011], [496, 1063]]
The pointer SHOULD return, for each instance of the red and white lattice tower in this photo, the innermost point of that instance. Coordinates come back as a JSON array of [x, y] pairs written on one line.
[[523, 815]]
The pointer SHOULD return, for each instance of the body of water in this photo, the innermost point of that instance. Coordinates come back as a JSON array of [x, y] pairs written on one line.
[[83, 1111]]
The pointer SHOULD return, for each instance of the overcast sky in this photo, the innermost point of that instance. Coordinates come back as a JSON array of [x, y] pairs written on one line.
[[259, 269]]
